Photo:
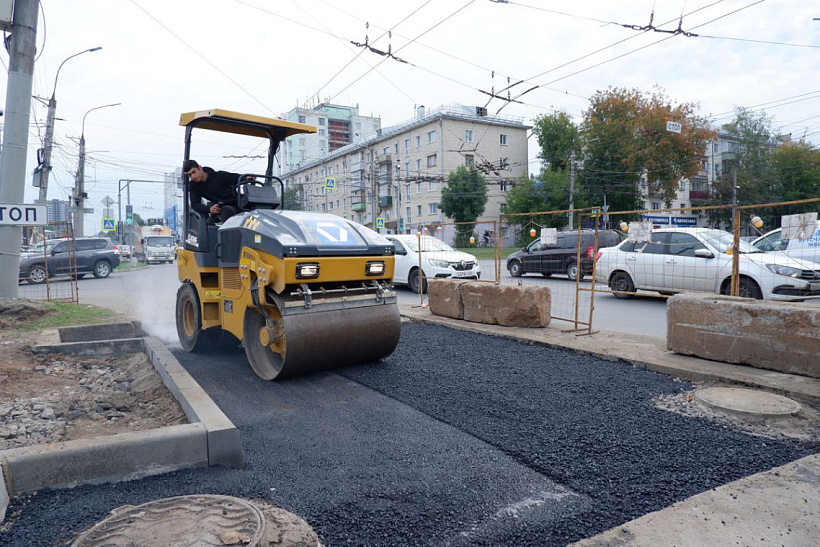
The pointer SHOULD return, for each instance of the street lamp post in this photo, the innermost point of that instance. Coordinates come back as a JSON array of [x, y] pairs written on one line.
[[79, 186], [49, 138]]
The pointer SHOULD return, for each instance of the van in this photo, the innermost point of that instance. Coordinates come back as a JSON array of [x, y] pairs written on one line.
[[807, 249], [561, 257]]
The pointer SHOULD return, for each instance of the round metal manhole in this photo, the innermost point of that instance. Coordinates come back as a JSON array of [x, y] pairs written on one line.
[[748, 402], [183, 521]]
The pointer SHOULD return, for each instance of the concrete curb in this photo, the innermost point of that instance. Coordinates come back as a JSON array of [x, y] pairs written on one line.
[[210, 438], [641, 351]]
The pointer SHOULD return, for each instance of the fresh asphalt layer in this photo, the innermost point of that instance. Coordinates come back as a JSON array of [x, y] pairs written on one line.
[[458, 438]]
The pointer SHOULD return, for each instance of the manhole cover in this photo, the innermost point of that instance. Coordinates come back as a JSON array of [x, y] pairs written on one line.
[[748, 402], [182, 521]]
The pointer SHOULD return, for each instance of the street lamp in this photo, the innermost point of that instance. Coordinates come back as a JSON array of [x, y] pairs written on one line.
[[45, 168], [79, 186]]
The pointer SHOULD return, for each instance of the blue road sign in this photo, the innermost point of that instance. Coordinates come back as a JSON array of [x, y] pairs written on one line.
[[108, 225], [330, 183]]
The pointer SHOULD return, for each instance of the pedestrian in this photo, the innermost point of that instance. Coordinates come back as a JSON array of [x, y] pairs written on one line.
[[218, 188]]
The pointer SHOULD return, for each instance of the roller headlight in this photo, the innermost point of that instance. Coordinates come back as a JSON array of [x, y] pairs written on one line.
[[374, 267], [784, 270], [440, 263], [307, 270]]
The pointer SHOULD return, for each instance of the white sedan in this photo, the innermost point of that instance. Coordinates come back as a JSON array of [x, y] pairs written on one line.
[[699, 259], [437, 260]]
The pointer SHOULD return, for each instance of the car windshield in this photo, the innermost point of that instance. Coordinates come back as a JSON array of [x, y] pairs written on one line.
[[724, 240], [162, 242], [427, 244], [38, 248]]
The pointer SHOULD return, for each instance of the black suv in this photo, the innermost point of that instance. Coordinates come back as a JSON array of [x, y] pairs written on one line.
[[561, 257], [94, 255]]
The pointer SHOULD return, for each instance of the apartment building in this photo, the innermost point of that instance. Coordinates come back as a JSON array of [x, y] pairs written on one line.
[[397, 173]]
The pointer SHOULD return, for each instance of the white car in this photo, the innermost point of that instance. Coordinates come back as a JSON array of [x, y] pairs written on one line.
[[807, 250], [437, 260], [696, 259]]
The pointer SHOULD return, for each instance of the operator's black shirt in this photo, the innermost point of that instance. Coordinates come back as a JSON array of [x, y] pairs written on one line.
[[220, 186]]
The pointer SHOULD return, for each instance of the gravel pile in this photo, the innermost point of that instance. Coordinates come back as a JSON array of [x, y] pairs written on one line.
[[461, 439], [91, 391]]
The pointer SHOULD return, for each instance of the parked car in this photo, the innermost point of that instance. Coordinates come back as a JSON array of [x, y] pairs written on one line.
[[94, 255], [802, 249], [437, 260], [699, 259], [125, 251], [561, 257]]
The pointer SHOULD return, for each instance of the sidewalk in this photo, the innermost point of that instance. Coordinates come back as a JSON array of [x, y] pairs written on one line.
[[778, 507]]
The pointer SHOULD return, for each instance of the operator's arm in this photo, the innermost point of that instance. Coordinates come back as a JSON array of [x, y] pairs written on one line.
[[196, 200]]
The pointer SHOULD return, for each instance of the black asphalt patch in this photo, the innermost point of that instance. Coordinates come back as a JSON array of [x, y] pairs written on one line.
[[458, 438]]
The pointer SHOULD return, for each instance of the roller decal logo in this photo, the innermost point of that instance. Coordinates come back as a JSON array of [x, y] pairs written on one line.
[[331, 233]]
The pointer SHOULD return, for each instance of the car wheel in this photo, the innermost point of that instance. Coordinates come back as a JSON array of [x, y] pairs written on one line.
[[545, 274], [623, 283], [79, 276], [572, 271], [37, 275], [413, 281], [102, 269], [749, 289], [516, 270]]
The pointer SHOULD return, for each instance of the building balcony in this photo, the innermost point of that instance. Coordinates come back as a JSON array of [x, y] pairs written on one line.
[[698, 195], [357, 166], [358, 207], [385, 201], [385, 158]]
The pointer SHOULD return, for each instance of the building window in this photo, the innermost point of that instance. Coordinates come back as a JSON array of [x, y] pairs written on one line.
[[502, 139], [432, 208], [431, 160], [321, 121], [358, 125], [407, 196], [321, 132], [468, 135], [302, 142], [386, 150], [302, 154], [406, 147], [418, 187], [375, 127], [502, 207], [418, 165], [431, 137], [502, 185], [656, 205], [418, 141], [301, 119], [407, 169], [408, 214], [418, 210], [397, 149], [469, 159], [432, 185]]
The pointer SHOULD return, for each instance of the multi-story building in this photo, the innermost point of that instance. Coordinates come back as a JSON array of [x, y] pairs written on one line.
[[336, 126], [397, 173], [172, 200]]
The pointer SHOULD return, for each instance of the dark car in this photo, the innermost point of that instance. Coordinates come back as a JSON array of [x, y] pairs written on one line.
[[78, 257], [561, 257]]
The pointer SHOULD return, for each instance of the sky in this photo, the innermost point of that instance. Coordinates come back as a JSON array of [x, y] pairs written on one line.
[[161, 58]]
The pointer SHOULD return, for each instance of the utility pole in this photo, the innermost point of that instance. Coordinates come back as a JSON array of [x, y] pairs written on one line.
[[571, 187], [22, 48], [78, 203], [49, 138]]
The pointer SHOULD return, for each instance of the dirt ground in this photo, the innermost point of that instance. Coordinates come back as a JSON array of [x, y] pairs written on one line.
[[51, 398]]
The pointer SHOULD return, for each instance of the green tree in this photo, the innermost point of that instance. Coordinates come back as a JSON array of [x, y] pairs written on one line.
[[557, 138], [292, 200], [625, 141], [549, 191], [463, 199], [138, 221], [795, 169]]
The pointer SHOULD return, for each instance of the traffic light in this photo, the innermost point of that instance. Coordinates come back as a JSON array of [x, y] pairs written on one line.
[[129, 214]]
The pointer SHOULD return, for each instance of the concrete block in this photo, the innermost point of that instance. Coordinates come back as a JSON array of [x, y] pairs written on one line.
[[506, 305], [88, 333], [114, 458], [444, 296], [224, 443], [781, 336], [4, 493], [94, 348]]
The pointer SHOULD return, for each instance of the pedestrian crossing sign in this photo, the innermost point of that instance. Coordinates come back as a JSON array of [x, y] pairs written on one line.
[[108, 225], [379, 222], [330, 183]]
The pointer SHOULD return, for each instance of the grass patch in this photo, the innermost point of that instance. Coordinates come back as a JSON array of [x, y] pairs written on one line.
[[63, 314], [488, 253], [127, 265]]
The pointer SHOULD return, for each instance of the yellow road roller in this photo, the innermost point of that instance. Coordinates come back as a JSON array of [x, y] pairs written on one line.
[[302, 291]]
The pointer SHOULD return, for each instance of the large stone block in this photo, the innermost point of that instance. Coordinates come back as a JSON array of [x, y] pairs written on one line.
[[781, 336], [444, 296], [506, 305]]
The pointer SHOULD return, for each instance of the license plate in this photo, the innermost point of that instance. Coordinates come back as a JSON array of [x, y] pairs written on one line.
[[470, 274], [814, 286]]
